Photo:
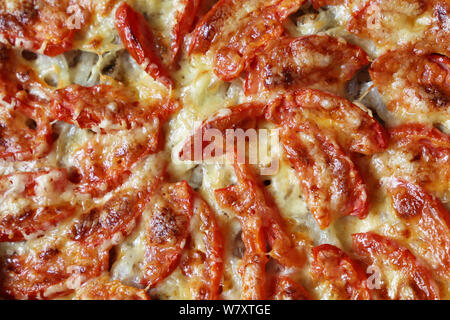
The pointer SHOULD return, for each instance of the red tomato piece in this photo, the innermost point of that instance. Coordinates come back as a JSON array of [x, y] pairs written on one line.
[[206, 268], [105, 108], [237, 29], [424, 78], [43, 25], [331, 183], [27, 190], [354, 128], [261, 222], [167, 231], [288, 289], [383, 20], [138, 39], [387, 253], [428, 152], [345, 275], [185, 20], [429, 221], [314, 60]]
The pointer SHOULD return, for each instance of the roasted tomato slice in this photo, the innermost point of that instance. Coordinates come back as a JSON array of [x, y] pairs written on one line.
[[205, 268], [287, 289], [240, 116], [261, 223], [137, 37], [315, 60], [427, 219], [354, 128], [345, 275], [106, 160], [237, 29], [22, 137], [427, 151], [386, 21], [167, 231], [25, 130], [33, 203], [414, 87], [105, 108], [102, 288], [42, 25], [388, 256], [185, 20], [331, 183]]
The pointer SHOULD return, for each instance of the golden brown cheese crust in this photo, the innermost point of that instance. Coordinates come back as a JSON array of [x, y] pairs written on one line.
[[98, 106]]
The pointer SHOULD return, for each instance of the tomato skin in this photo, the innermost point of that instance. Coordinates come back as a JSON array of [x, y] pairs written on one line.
[[428, 150], [351, 197], [287, 289], [25, 129], [33, 219], [355, 129], [138, 39], [425, 76], [185, 20], [288, 63], [427, 218], [387, 251], [167, 232], [31, 25], [261, 222], [332, 264], [234, 51]]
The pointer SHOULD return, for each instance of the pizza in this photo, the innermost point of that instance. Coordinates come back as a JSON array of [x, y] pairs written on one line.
[[117, 179]]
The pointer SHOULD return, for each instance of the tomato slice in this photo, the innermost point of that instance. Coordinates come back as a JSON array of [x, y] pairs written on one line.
[[25, 130], [167, 231], [288, 289], [28, 218], [427, 150], [185, 21], [237, 117], [261, 222], [43, 26], [331, 183], [426, 78], [205, 269], [345, 275], [138, 39], [428, 219], [102, 288], [387, 253], [105, 108], [293, 63], [384, 20], [254, 23], [354, 128]]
